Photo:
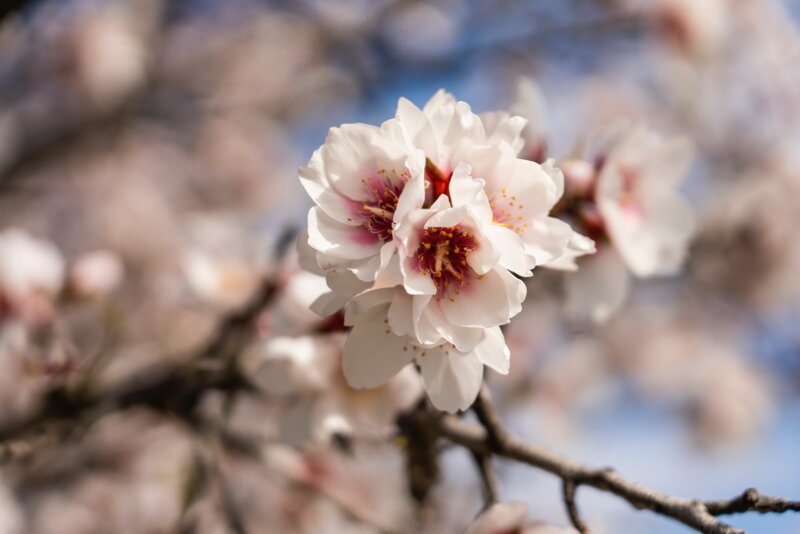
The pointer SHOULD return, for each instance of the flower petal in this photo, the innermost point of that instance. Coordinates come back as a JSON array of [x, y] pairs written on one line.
[[451, 378], [373, 354], [333, 238], [493, 352]]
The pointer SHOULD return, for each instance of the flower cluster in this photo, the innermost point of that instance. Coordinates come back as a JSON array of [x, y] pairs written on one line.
[[622, 192], [423, 227]]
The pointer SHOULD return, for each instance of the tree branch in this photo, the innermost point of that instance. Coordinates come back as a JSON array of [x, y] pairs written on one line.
[[699, 515]]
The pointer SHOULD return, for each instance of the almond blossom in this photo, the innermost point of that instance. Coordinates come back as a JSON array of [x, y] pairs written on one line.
[[356, 179], [454, 294], [418, 227], [31, 275], [635, 202]]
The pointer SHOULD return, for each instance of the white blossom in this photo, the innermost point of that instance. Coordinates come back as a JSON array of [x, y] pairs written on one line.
[[31, 274], [648, 221], [418, 227]]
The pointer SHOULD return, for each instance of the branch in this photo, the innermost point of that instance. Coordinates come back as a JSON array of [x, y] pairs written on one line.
[[488, 478], [699, 515], [175, 388]]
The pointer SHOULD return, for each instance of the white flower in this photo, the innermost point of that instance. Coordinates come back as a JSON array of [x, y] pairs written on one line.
[[96, 273], [635, 203], [418, 227], [454, 294], [305, 372], [649, 223], [356, 179], [30, 269]]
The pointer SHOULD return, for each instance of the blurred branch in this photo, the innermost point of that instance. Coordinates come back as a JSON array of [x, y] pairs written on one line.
[[175, 389], [493, 439]]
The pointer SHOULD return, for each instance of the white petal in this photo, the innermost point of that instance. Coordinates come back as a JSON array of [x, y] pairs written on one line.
[[400, 313], [339, 240], [419, 128], [512, 250], [345, 283], [363, 306], [451, 378], [322, 192], [599, 287], [307, 256], [412, 198], [483, 303], [373, 354], [493, 352], [328, 303]]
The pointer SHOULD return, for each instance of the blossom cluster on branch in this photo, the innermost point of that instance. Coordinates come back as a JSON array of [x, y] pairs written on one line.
[[426, 226]]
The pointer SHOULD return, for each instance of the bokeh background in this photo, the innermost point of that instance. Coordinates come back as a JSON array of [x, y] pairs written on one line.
[[164, 137]]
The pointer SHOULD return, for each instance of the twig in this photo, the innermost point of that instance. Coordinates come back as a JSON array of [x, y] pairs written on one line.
[[568, 491], [699, 515], [175, 388], [488, 478], [751, 501]]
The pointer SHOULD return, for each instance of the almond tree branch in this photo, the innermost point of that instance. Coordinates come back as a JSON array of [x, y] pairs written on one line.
[[699, 515], [488, 478]]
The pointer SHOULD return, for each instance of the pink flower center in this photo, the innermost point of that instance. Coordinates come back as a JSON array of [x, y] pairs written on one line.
[[627, 195], [442, 254], [377, 211], [438, 179]]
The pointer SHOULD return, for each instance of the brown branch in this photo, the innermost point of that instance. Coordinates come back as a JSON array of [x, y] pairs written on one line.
[[488, 478], [751, 501], [568, 488], [699, 515], [174, 388]]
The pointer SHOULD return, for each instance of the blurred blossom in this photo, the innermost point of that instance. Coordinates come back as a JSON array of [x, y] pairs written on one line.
[[96, 273], [110, 54], [510, 517], [31, 275], [698, 29], [528, 103], [634, 202], [422, 31], [223, 264], [305, 374]]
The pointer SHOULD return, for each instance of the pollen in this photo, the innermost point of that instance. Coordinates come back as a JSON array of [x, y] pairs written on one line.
[[442, 255], [382, 192]]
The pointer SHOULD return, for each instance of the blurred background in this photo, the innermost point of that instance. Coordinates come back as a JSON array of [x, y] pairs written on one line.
[[149, 149]]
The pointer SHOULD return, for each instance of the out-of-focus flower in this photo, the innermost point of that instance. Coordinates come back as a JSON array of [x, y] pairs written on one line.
[[305, 373], [635, 204], [511, 517], [31, 274], [528, 103], [696, 29], [422, 30], [96, 273], [648, 221], [223, 263], [110, 54]]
